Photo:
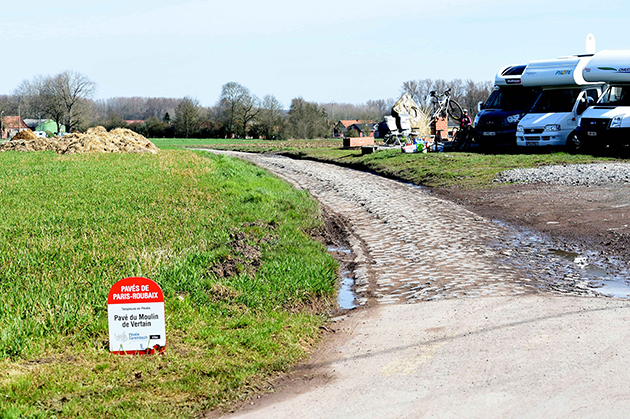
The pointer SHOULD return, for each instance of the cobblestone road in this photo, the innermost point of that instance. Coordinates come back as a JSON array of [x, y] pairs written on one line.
[[408, 245]]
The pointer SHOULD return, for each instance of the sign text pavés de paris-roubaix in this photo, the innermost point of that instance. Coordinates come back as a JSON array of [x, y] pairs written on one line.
[[135, 308]]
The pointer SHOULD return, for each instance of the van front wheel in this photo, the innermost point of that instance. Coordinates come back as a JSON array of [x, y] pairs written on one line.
[[574, 145]]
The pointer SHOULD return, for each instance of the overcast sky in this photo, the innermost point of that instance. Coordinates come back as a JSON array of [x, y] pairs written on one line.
[[343, 50]]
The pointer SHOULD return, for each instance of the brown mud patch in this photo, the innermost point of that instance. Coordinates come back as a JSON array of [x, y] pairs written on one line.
[[245, 249], [594, 217]]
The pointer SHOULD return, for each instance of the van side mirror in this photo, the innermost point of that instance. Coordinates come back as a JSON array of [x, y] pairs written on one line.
[[479, 106]]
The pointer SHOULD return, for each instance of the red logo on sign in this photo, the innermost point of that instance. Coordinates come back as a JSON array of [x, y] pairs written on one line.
[[135, 290]]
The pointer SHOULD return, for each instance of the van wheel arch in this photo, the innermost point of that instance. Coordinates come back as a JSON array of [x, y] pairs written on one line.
[[573, 144]]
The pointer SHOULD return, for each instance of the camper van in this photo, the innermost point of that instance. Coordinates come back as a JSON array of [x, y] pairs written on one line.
[[565, 96], [499, 115], [607, 123]]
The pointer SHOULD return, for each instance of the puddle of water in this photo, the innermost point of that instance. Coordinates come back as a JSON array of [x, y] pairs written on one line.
[[346, 298], [339, 249], [582, 262], [607, 276], [613, 288]]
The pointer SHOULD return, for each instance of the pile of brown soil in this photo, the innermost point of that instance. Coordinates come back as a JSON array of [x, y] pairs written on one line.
[[95, 140], [26, 134]]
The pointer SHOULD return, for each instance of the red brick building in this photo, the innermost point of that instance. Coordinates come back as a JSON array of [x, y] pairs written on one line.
[[11, 125]]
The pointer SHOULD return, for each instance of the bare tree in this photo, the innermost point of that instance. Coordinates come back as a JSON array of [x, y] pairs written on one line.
[[238, 108], [135, 107], [307, 120], [30, 98], [270, 118], [64, 97], [375, 110], [187, 116], [466, 92], [9, 104], [372, 110], [475, 93]]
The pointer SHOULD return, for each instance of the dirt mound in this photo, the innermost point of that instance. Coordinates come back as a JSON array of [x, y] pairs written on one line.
[[26, 134], [95, 140]]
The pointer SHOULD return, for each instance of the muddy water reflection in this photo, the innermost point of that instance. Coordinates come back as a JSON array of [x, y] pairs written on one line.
[[346, 298], [564, 268], [608, 284]]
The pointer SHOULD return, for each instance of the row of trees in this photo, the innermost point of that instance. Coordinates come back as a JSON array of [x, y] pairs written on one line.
[[67, 99], [60, 98]]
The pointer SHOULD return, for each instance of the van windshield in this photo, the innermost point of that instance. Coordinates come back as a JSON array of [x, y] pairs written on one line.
[[513, 98], [616, 96], [556, 100]]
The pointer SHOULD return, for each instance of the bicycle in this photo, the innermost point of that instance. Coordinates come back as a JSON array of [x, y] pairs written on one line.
[[443, 105]]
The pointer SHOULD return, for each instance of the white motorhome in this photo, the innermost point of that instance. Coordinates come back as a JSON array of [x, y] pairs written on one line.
[[553, 119], [607, 123]]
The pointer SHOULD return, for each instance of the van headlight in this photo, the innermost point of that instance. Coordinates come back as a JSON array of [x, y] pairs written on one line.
[[513, 119], [616, 121], [519, 128], [552, 127]]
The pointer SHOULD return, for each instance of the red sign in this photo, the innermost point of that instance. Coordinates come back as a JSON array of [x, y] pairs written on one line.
[[135, 290], [135, 309]]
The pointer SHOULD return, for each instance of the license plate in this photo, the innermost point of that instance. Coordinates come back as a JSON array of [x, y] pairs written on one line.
[[592, 133], [489, 134], [531, 143]]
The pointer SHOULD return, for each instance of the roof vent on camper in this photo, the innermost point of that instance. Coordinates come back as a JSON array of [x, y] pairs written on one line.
[[514, 70]]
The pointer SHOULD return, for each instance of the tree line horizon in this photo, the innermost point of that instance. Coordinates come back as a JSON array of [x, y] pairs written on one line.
[[66, 98]]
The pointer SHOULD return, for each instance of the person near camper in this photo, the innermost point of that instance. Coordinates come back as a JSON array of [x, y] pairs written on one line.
[[466, 121], [464, 136]]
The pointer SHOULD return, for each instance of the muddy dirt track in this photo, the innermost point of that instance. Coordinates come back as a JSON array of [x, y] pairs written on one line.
[[595, 217], [479, 305]]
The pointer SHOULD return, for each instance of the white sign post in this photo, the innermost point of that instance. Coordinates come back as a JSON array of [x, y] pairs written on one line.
[[135, 308]]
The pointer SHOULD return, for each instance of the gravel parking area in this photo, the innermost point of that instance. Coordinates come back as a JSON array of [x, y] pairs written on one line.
[[570, 174]]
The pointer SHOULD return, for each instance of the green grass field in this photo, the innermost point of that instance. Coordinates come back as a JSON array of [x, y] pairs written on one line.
[[244, 284]]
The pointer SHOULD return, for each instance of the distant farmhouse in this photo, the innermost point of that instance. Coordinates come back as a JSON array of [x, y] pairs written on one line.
[[43, 125], [11, 125], [354, 128]]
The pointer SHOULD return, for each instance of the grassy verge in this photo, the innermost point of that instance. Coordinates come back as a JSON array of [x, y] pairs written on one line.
[[243, 281], [449, 169]]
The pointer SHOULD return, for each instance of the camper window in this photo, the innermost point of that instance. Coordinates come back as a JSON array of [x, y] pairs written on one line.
[[560, 100], [616, 96], [592, 94], [511, 98]]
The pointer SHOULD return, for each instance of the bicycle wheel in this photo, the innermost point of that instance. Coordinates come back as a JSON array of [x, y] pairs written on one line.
[[455, 110]]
